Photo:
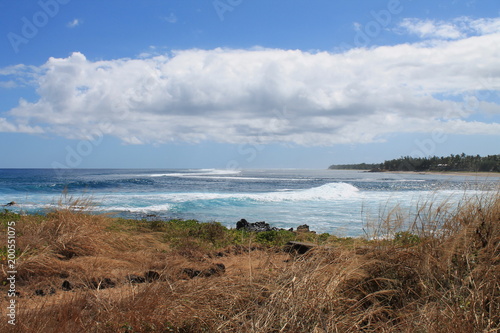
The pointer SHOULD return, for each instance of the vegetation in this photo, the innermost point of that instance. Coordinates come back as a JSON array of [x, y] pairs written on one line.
[[437, 271], [490, 163], [361, 166]]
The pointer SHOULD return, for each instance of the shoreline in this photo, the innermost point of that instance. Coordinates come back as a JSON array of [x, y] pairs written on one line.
[[449, 173], [444, 173]]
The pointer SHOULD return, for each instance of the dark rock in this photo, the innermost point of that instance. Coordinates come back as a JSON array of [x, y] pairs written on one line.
[[303, 228], [151, 276], [298, 247], [66, 254], [132, 278], [102, 283], [12, 203], [242, 224], [216, 269], [41, 292], [221, 267], [192, 273], [66, 286], [261, 226], [107, 283], [256, 226]]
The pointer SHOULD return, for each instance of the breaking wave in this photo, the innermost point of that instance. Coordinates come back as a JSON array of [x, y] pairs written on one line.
[[197, 173], [330, 191]]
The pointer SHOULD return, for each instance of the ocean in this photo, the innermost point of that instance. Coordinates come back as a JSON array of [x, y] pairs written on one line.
[[334, 201]]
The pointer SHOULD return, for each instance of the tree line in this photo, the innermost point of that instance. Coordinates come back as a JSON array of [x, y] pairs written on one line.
[[470, 163]]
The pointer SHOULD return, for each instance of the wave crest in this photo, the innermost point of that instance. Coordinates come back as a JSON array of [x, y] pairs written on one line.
[[330, 191]]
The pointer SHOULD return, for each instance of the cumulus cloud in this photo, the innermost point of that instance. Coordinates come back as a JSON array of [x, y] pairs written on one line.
[[455, 29], [269, 95]]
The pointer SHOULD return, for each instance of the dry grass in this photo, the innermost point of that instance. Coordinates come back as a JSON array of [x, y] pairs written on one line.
[[439, 274]]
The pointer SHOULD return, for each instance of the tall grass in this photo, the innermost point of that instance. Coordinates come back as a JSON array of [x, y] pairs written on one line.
[[439, 271]]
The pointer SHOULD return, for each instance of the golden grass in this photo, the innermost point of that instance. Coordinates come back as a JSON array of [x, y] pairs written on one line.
[[440, 274]]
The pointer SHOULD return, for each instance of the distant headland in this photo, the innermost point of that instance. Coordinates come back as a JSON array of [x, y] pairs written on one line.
[[452, 163]]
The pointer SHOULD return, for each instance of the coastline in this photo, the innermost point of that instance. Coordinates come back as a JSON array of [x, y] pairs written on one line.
[[449, 173], [444, 173]]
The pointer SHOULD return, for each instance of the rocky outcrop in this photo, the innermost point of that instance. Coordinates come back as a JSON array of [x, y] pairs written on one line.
[[256, 226], [303, 228]]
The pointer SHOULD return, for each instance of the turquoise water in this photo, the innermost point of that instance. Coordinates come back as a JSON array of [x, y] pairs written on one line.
[[334, 201]]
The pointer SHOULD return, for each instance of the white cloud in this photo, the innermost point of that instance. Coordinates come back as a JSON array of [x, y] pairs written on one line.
[[6, 126], [486, 25], [72, 24], [19, 76], [8, 84], [171, 18], [455, 29], [269, 95], [431, 29]]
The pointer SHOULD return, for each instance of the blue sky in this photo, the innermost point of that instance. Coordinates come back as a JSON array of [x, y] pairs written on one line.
[[246, 84]]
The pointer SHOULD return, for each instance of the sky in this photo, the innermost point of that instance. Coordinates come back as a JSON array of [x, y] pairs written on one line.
[[241, 84]]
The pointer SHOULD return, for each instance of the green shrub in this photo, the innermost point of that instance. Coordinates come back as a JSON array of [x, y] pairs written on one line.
[[274, 237], [7, 216], [206, 234], [323, 237], [405, 238]]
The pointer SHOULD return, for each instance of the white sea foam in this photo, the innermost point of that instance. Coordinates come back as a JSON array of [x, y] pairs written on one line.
[[146, 209], [198, 173], [330, 191]]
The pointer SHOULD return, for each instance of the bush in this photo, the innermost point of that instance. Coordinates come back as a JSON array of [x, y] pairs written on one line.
[[208, 235], [7, 216], [274, 237]]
